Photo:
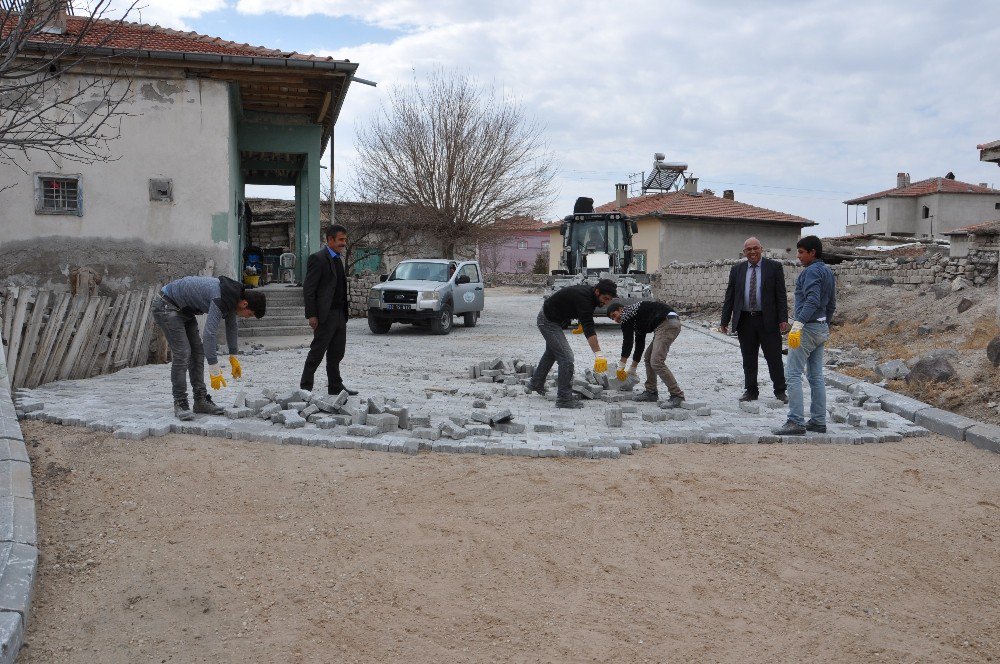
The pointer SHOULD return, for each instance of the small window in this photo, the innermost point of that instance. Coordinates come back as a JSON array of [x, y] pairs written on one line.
[[522, 244], [471, 271], [878, 213], [58, 194], [925, 212], [545, 245], [161, 189], [522, 265], [996, 206]]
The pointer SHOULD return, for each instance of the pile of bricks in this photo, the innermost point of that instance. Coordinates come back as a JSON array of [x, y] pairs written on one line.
[[603, 386], [499, 370]]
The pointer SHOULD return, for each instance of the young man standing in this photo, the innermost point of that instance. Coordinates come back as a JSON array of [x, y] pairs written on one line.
[[174, 311], [558, 310], [638, 320], [815, 303], [325, 295]]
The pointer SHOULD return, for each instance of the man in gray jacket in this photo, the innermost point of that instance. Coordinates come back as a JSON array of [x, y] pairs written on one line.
[[174, 311]]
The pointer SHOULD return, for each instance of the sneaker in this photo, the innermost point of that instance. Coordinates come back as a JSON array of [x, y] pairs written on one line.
[[573, 403], [204, 405], [182, 411], [529, 388], [749, 396], [675, 402], [648, 396], [781, 396], [815, 428], [789, 428]]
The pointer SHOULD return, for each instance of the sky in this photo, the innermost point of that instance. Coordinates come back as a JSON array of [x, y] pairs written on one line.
[[796, 106]]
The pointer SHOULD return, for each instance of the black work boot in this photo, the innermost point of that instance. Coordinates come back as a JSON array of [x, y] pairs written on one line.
[[203, 404], [182, 411], [648, 396]]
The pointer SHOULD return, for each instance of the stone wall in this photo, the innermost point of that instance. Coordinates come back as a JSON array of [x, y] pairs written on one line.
[[705, 283], [358, 287], [527, 280]]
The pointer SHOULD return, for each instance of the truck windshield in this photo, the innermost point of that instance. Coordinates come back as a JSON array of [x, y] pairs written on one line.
[[417, 271]]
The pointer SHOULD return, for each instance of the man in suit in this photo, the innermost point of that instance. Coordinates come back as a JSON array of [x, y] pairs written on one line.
[[757, 303], [325, 295]]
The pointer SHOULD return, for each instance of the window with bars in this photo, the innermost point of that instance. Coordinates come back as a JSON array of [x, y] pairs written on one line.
[[522, 244], [58, 194]]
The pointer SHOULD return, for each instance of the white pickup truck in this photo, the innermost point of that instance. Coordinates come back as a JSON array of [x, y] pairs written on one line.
[[427, 292]]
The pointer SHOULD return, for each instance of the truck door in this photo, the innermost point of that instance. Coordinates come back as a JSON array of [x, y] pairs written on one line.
[[470, 296]]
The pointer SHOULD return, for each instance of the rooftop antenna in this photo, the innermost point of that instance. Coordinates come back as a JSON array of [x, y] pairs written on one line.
[[664, 176]]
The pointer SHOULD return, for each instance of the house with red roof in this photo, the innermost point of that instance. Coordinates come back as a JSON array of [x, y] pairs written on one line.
[[202, 118], [990, 152], [926, 208], [692, 226]]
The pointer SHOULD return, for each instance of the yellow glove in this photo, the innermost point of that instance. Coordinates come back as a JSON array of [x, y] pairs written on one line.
[[235, 366], [795, 335], [578, 329], [621, 374], [215, 374], [600, 363]]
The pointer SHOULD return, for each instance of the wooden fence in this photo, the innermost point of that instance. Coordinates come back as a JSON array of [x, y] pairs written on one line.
[[54, 336]]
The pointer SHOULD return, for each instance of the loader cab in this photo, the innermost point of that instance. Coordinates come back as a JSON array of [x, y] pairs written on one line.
[[597, 242]]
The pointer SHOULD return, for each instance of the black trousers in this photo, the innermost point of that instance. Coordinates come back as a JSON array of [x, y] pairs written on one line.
[[329, 339], [753, 338]]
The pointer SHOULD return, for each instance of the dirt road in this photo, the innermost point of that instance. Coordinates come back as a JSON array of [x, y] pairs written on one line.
[[185, 549]]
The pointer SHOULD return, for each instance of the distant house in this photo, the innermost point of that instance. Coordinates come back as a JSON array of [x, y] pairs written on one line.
[[204, 117], [691, 226], [514, 244], [990, 152], [981, 237], [927, 208]]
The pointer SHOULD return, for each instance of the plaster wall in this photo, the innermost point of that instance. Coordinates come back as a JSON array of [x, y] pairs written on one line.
[[178, 129], [946, 212], [696, 241], [648, 239]]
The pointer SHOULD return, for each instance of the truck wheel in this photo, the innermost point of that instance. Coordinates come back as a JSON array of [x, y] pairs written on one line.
[[378, 325], [471, 318], [442, 324]]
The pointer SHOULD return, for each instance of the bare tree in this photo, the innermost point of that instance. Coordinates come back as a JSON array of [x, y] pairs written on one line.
[[460, 153], [61, 90], [492, 251]]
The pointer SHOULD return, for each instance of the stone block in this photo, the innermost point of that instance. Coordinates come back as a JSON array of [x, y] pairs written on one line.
[[239, 413], [751, 407], [383, 422], [270, 410], [512, 428], [362, 430], [311, 409], [501, 416], [17, 519], [481, 416], [402, 414], [693, 405], [902, 405], [655, 416], [13, 450], [135, 432], [945, 422], [18, 565], [376, 405], [872, 406], [453, 431], [613, 417], [721, 439], [256, 403], [241, 400], [984, 436], [426, 433], [302, 395], [297, 406], [703, 412], [479, 429]]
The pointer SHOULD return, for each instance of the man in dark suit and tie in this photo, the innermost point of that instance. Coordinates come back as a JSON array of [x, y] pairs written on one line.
[[757, 303], [325, 295]]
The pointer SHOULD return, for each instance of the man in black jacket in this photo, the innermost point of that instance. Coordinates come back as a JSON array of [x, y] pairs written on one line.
[[325, 295], [573, 302], [638, 320], [757, 303]]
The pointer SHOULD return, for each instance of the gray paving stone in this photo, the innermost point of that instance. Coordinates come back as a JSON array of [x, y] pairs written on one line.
[[902, 405], [383, 422], [613, 417], [362, 430], [239, 413], [17, 520], [13, 450], [945, 422], [839, 380], [18, 563], [426, 433], [15, 479], [984, 436], [11, 636], [270, 410], [131, 433]]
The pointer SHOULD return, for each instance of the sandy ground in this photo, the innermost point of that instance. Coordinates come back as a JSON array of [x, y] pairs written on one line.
[[186, 549]]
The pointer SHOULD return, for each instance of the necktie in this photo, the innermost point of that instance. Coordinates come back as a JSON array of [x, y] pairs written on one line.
[[753, 288]]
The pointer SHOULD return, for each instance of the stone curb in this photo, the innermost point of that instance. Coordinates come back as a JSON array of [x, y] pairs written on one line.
[[979, 434], [18, 531]]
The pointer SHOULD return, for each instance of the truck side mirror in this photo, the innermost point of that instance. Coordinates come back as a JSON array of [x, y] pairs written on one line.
[[383, 278], [562, 229], [464, 279]]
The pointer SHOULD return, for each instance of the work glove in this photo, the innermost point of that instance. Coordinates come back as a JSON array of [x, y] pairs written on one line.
[[237, 369], [795, 335], [631, 369], [600, 363], [578, 329], [215, 375], [622, 374]]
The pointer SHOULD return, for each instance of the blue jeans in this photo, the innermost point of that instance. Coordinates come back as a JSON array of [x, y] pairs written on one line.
[[807, 357], [556, 350]]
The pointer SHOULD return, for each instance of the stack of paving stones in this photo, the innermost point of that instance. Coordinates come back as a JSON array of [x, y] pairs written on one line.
[[19, 542]]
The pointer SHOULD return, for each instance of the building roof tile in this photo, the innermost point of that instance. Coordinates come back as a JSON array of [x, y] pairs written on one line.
[[684, 205], [985, 228], [925, 188]]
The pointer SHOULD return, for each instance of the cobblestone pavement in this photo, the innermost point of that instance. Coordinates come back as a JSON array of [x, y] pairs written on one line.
[[422, 382]]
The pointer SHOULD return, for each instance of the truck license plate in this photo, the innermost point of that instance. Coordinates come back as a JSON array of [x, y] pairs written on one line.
[[397, 306]]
